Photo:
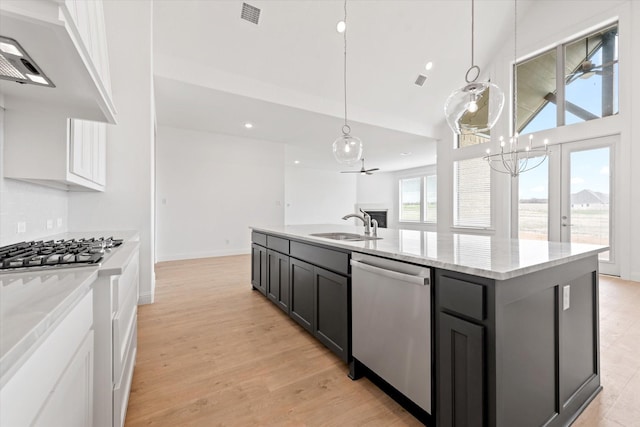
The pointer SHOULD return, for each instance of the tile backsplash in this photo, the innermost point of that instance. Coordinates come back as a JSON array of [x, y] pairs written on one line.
[[28, 211], [38, 210]]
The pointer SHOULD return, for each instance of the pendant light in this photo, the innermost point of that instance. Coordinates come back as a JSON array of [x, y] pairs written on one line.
[[347, 149], [476, 106], [519, 157]]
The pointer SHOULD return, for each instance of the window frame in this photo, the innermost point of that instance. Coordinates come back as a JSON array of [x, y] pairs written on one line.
[[423, 197], [560, 81]]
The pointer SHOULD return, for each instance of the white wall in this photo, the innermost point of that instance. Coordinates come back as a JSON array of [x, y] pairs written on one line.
[[211, 188], [315, 196], [33, 204], [128, 201], [379, 191]]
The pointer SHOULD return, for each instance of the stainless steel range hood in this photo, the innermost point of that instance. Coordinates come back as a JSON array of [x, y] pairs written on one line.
[[17, 66]]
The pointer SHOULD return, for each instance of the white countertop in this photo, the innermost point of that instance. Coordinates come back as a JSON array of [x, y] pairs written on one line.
[[31, 302], [484, 256]]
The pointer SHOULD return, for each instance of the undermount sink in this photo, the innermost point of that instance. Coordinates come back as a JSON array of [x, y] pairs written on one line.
[[352, 237]]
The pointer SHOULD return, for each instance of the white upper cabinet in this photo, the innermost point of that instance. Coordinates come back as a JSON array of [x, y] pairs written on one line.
[[51, 150], [67, 40]]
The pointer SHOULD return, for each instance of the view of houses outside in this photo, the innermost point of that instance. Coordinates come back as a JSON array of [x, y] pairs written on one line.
[[589, 201]]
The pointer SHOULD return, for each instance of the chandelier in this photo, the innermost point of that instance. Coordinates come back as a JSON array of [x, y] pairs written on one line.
[[520, 157], [347, 149], [476, 106]]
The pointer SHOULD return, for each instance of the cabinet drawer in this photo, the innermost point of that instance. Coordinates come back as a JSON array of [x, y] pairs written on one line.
[[124, 326], [25, 393], [122, 387], [126, 283], [278, 244], [462, 297], [327, 258], [259, 238]]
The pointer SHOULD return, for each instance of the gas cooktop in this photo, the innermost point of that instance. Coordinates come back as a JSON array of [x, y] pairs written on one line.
[[55, 253]]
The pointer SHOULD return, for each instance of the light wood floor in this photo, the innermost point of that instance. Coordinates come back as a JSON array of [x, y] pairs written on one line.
[[211, 352]]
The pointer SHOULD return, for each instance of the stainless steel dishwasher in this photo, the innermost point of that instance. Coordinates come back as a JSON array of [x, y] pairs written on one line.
[[391, 323]]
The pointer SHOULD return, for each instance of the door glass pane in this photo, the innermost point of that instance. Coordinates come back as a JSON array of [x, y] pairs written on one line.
[[590, 198], [533, 203], [591, 83], [410, 190]]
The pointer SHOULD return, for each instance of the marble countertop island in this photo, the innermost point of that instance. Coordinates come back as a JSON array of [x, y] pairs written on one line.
[[479, 255]]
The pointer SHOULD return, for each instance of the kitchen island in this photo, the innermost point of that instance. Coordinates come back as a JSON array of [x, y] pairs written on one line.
[[514, 323]]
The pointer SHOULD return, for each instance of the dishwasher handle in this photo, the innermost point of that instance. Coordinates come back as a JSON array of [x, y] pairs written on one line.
[[404, 277]]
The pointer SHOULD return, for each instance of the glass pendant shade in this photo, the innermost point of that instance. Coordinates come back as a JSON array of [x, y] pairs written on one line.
[[474, 108], [347, 149]]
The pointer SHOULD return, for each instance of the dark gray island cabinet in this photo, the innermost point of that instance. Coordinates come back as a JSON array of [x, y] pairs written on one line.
[[517, 352], [516, 345], [308, 282]]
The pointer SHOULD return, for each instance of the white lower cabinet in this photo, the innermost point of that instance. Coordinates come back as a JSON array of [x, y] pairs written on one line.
[[116, 320], [71, 402], [54, 386], [55, 151]]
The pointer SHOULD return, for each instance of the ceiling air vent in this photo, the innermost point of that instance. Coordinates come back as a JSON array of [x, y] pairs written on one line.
[[250, 13], [420, 80]]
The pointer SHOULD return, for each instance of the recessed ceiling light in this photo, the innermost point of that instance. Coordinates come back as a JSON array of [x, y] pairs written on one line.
[[296, 162], [428, 66], [405, 153], [248, 125], [341, 26]]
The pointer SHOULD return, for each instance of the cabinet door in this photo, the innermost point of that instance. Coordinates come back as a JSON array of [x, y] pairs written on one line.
[[259, 268], [80, 140], [302, 293], [331, 326], [70, 404], [99, 154], [461, 382], [278, 283]]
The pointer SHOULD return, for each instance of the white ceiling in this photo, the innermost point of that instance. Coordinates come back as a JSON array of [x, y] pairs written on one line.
[[215, 71]]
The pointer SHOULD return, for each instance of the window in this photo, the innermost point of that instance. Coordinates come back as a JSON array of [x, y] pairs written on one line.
[[472, 194], [589, 70], [419, 199]]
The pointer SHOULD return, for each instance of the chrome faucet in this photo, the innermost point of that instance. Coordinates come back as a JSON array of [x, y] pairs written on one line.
[[366, 219]]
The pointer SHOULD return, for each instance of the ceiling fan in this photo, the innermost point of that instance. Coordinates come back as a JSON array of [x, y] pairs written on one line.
[[362, 170], [587, 68]]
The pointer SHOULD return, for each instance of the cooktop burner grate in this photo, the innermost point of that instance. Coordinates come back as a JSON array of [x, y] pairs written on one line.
[[55, 253]]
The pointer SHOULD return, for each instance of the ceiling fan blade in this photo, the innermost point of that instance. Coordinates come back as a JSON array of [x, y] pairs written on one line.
[[372, 170], [349, 171]]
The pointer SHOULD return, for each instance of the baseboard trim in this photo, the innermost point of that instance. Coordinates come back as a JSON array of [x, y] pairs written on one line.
[[145, 298]]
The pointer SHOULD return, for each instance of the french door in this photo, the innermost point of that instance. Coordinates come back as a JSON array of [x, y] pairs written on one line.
[[571, 197]]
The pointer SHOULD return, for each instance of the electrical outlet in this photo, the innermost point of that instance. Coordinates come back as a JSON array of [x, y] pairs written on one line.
[[49, 224], [566, 297], [59, 222], [22, 227]]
